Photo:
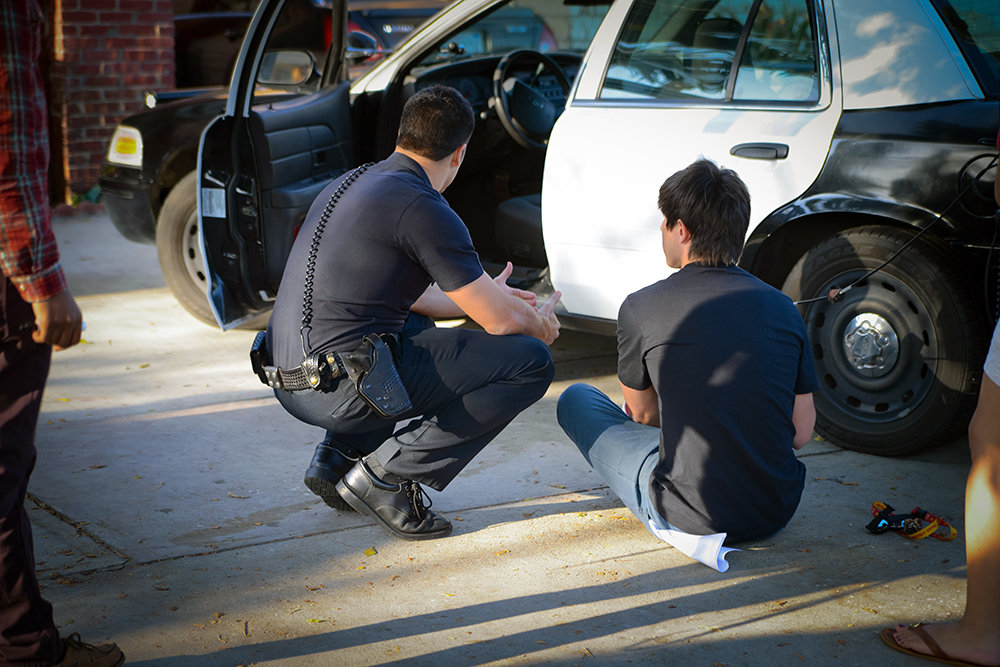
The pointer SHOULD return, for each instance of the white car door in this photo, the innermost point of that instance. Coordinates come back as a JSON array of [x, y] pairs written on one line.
[[658, 91]]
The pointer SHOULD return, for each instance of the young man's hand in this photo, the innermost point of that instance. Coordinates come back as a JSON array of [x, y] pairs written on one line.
[[58, 321]]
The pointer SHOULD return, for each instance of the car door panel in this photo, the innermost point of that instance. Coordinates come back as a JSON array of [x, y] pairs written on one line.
[[299, 148], [300, 143], [619, 232]]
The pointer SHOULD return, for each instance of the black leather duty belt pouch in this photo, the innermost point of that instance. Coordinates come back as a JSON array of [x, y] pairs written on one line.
[[374, 372], [371, 367]]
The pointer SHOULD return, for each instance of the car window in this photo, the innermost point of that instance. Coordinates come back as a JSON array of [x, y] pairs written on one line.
[[299, 27], [896, 53], [538, 25], [684, 50], [975, 24], [779, 61]]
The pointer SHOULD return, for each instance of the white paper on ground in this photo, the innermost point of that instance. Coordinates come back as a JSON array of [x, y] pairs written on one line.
[[705, 549]]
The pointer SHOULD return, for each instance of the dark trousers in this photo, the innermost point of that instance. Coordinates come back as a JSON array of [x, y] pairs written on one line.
[[27, 632], [465, 385]]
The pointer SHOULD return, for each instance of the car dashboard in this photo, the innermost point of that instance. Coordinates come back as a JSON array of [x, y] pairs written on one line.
[[474, 78]]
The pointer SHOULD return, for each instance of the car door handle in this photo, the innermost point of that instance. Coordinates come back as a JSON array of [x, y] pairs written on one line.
[[760, 151]]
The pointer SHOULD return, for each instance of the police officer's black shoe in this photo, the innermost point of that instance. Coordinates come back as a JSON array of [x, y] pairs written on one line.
[[397, 507], [329, 464]]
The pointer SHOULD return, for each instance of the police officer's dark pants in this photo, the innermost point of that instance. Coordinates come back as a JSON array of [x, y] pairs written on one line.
[[27, 633], [465, 385]]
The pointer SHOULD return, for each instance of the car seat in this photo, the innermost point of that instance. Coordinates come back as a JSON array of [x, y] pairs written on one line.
[[712, 53], [518, 230]]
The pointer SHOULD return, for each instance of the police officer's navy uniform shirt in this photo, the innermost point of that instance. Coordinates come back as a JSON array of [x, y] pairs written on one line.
[[390, 236], [726, 354]]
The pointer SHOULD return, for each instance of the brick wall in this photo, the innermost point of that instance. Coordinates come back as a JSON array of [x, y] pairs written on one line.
[[102, 55]]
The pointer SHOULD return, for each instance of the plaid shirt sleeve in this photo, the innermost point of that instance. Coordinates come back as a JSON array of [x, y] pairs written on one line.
[[29, 256]]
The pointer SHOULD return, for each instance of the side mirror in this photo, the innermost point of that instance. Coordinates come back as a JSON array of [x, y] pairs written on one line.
[[360, 47], [286, 68]]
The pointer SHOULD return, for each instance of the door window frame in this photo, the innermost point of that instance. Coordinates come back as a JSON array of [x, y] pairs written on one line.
[[591, 81]]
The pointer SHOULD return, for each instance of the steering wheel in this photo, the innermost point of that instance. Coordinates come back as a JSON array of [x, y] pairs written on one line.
[[525, 112]]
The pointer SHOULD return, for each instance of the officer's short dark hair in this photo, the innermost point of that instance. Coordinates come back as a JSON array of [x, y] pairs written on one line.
[[435, 122], [714, 204]]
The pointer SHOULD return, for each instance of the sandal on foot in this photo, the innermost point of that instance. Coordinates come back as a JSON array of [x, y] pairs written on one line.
[[936, 653]]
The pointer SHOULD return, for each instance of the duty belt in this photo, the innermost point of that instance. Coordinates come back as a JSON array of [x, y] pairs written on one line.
[[315, 371]]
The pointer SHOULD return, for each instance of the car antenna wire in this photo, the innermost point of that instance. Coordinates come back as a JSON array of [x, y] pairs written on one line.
[[836, 294]]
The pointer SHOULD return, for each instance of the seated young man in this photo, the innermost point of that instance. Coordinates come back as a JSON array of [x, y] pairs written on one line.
[[717, 376]]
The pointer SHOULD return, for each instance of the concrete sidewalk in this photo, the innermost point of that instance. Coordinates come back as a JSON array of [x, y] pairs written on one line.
[[171, 517]]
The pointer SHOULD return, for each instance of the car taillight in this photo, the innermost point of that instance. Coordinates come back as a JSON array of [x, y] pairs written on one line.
[[126, 146]]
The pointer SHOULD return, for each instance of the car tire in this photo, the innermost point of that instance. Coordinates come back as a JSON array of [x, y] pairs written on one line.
[[898, 357], [179, 249]]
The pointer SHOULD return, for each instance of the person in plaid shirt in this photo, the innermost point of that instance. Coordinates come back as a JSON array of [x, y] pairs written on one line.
[[37, 315]]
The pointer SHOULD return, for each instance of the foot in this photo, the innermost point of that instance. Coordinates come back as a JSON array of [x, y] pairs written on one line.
[[948, 642], [329, 464], [397, 507], [80, 654]]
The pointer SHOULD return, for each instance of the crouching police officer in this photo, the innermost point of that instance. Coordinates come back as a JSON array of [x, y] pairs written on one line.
[[352, 349]]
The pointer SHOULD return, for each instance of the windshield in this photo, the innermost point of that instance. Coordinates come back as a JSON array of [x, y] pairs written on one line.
[[538, 25]]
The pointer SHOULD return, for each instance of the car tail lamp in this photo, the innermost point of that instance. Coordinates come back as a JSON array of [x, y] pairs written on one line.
[[126, 146]]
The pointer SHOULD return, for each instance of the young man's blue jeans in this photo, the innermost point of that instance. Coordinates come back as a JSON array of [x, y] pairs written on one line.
[[621, 451]]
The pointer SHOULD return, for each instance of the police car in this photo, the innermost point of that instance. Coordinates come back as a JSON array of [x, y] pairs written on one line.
[[865, 132]]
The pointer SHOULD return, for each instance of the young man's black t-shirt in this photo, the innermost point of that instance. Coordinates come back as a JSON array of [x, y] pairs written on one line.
[[389, 237], [726, 354]]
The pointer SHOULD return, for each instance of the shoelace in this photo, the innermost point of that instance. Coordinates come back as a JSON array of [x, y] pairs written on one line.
[[417, 497]]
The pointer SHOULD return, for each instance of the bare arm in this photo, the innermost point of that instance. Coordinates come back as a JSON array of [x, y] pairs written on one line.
[[499, 312], [804, 418], [435, 303], [643, 406]]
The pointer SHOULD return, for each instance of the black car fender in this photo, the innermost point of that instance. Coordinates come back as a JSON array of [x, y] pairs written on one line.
[[789, 232]]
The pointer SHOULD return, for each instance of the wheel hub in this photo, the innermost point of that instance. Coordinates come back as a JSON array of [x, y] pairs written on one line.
[[871, 345]]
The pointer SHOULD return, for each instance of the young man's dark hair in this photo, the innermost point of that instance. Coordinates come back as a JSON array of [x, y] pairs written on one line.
[[435, 122], [714, 204]]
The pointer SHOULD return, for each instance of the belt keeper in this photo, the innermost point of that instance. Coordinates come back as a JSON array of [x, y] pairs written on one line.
[[314, 371], [273, 377], [334, 363]]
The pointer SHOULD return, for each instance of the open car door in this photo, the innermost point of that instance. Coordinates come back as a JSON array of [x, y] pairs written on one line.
[[263, 161]]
